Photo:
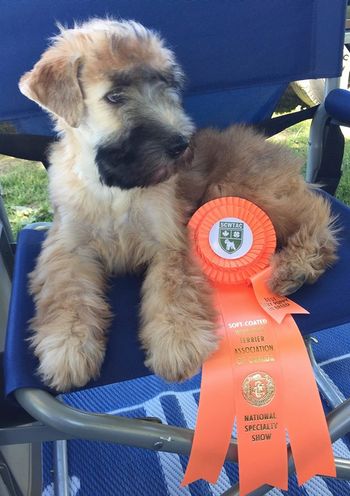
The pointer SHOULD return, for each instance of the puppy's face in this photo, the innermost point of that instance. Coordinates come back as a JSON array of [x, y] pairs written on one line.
[[115, 86], [138, 125]]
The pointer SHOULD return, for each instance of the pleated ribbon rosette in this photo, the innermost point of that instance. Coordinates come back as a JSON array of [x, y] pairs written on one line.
[[260, 376]]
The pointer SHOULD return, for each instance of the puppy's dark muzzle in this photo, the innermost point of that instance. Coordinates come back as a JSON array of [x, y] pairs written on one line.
[[148, 156]]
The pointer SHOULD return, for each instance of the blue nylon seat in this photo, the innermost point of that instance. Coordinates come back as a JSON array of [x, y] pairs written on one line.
[[123, 348], [327, 301]]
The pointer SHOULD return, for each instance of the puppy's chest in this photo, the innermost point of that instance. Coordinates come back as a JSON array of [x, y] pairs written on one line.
[[130, 229], [113, 234]]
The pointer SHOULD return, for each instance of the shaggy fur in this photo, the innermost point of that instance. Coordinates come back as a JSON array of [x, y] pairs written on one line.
[[240, 162], [105, 82], [122, 184]]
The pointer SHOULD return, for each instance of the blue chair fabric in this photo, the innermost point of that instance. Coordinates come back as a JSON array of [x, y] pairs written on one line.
[[238, 55], [327, 301], [124, 358]]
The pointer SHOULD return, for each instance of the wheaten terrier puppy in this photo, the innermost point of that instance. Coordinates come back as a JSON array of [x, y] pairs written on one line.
[[113, 90], [122, 183]]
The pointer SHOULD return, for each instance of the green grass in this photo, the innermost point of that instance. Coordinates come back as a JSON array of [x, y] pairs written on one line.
[[24, 189], [24, 184], [296, 138]]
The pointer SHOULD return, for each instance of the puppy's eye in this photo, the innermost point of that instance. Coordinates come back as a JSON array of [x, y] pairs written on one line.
[[115, 97]]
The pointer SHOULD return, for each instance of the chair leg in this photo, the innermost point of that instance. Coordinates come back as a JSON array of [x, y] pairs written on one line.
[[61, 477], [315, 146], [327, 389], [8, 478], [343, 468], [316, 136], [233, 491]]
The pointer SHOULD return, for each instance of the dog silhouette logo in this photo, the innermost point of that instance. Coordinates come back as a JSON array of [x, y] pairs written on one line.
[[231, 236]]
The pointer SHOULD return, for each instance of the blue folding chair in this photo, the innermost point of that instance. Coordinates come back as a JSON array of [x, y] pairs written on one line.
[[239, 56]]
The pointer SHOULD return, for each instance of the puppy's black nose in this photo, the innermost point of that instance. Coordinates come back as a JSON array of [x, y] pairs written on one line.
[[177, 145]]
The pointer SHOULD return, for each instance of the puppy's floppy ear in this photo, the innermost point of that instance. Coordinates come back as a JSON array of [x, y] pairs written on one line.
[[53, 84]]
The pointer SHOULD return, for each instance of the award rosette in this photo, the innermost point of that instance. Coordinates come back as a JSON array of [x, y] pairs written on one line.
[[260, 376]]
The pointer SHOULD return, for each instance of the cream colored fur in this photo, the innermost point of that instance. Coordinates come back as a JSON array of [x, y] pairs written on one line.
[[98, 230]]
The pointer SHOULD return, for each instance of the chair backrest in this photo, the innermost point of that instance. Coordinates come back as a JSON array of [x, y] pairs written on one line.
[[238, 55]]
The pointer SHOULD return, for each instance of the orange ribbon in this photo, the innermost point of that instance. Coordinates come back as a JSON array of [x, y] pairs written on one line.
[[261, 374]]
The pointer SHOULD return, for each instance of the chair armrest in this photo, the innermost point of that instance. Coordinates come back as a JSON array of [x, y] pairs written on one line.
[[144, 434], [337, 105], [110, 428], [81, 424]]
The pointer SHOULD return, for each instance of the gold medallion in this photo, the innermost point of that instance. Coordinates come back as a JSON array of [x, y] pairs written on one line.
[[258, 389]]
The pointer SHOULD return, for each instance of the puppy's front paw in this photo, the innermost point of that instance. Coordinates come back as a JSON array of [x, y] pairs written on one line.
[[292, 269], [286, 279], [178, 351], [68, 359]]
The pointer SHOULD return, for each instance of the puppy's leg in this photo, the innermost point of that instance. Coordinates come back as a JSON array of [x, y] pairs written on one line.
[[178, 329], [71, 314], [309, 250]]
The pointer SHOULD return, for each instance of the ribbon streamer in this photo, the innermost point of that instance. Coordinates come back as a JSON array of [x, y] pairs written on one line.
[[261, 374]]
